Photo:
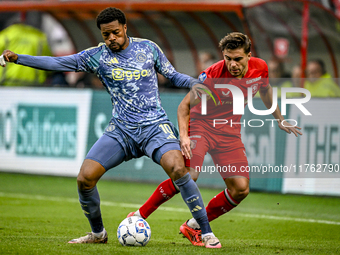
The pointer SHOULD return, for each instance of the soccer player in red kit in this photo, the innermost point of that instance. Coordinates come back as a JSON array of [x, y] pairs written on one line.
[[221, 141]]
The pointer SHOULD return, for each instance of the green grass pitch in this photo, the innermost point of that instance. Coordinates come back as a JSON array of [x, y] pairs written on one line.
[[39, 214]]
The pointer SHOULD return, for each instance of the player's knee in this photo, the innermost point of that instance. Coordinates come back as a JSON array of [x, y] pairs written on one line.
[[239, 190], [85, 182], [240, 193], [178, 172], [89, 174]]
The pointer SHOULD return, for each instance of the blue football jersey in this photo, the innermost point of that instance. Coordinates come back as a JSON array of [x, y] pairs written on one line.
[[129, 76]]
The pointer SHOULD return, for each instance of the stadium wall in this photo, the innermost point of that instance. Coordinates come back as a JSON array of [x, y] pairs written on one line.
[[49, 131]]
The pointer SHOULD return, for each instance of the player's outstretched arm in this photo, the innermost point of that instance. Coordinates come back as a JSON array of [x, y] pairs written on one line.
[[267, 98], [47, 63]]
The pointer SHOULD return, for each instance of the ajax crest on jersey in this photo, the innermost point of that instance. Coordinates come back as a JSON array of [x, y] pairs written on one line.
[[134, 231]]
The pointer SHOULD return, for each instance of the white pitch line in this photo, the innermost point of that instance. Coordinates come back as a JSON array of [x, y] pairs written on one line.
[[164, 208]]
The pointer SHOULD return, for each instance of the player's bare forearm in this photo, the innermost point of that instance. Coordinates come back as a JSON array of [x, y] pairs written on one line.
[[183, 116], [183, 111], [267, 98]]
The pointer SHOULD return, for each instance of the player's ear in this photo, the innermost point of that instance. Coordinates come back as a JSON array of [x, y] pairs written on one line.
[[249, 54]]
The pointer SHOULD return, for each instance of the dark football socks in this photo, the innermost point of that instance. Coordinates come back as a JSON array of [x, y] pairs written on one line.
[[90, 203], [192, 197]]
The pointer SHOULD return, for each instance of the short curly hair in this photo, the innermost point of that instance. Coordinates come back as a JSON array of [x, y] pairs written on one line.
[[110, 14], [235, 40]]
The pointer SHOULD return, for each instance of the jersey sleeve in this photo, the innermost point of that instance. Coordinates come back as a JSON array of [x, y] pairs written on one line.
[[164, 67], [88, 60], [61, 64], [84, 61]]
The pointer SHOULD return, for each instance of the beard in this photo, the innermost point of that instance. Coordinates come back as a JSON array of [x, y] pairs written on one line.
[[115, 46]]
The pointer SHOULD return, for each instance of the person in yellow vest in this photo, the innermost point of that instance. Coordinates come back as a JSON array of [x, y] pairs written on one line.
[[319, 82], [27, 40]]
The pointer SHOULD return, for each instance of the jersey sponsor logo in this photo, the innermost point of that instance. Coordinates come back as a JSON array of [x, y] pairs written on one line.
[[141, 57], [202, 77], [195, 136], [226, 94], [253, 80], [119, 74]]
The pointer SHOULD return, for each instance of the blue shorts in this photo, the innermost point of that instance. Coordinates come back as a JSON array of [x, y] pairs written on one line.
[[119, 143]]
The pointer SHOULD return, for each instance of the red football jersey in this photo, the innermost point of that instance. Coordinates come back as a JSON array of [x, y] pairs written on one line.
[[222, 106]]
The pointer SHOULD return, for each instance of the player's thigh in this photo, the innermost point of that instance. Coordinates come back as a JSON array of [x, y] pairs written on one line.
[[107, 151], [162, 137]]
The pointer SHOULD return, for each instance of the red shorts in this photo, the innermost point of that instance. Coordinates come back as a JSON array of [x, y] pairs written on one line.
[[227, 152]]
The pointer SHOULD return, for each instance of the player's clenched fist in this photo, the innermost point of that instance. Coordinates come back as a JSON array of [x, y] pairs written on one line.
[[9, 56]]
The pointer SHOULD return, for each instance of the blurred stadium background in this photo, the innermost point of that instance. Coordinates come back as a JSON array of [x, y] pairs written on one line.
[[48, 131]]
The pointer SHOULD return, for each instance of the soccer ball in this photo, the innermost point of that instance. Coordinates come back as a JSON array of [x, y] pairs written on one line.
[[134, 231]]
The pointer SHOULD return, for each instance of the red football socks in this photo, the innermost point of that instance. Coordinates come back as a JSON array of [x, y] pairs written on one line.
[[220, 204], [163, 193]]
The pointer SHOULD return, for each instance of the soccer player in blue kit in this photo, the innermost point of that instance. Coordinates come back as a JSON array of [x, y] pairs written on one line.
[[128, 68]]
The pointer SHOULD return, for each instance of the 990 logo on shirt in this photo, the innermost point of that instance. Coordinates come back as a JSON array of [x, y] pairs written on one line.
[[119, 74]]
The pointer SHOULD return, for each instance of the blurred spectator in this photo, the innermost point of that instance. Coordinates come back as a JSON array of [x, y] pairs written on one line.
[[297, 76], [319, 82], [296, 81], [278, 77], [23, 39], [206, 60]]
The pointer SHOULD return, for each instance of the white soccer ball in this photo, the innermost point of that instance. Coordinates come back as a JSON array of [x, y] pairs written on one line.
[[134, 231]]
